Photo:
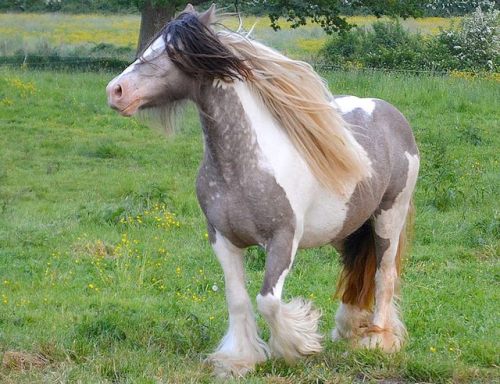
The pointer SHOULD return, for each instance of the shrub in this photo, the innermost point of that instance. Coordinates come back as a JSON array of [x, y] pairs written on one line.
[[472, 45], [475, 43], [386, 45]]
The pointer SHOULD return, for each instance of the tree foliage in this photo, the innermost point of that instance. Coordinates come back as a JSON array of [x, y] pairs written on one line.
[[457, 7], [327, 13]]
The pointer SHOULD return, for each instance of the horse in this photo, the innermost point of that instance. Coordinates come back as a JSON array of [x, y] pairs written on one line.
[[286, 165]]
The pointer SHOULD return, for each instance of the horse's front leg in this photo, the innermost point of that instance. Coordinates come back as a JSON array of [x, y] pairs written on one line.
[[241, 348], [294, 325]]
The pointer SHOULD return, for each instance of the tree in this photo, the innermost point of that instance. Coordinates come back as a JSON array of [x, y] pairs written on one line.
[[154, 15], [153, 18], [326, 13]]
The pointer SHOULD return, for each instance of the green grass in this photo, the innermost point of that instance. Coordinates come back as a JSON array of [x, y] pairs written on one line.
[[98, 279]]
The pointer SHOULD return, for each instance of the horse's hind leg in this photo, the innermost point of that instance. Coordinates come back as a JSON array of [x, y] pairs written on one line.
[[386, 330], [293, 325], [363, 282], [241, 348], [373, 273]]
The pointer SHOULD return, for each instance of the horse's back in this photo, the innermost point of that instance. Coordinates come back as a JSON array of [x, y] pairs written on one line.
[[377, 123]]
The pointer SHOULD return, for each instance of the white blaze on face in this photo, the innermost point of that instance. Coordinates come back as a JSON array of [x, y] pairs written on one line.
[[154, 50]]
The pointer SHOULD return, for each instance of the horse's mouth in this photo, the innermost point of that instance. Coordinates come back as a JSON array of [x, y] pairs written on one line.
[[129, 109]]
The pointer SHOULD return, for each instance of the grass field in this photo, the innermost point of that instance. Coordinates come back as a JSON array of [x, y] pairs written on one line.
[[106, 274], [43, 33]]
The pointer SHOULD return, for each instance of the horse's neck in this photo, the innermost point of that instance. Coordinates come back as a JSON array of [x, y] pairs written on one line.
[[230, 144]]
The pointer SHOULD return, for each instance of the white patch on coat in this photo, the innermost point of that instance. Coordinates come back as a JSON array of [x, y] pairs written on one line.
[[241, 348], [130, 68], [348, 104], [388, 225], [319, 212]]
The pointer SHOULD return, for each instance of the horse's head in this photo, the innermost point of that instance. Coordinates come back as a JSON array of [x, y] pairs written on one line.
[[160, 75]]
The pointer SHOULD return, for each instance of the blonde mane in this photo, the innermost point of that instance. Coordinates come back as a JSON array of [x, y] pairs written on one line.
[[299, 99], [292, 91]]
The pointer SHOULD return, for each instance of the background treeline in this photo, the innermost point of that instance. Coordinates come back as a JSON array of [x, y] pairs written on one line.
[[442, 8], [470, 43]]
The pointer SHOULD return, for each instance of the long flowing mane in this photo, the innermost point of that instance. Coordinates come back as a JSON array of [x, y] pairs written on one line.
[[293, 92]]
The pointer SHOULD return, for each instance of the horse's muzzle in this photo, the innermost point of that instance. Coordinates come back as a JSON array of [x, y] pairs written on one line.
[[120, 99]]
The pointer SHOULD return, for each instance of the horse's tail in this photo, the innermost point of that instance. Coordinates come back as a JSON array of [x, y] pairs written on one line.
[[356, 285]]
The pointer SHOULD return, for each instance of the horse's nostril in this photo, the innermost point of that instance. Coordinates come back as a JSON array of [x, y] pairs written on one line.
[[118, 90]]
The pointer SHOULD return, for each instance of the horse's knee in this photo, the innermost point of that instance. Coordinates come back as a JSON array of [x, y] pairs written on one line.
[[268, 305]]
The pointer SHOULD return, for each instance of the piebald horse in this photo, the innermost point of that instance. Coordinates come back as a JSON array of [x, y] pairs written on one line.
[[286, 166]]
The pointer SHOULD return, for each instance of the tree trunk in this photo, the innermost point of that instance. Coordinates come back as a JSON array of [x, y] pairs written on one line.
[[153, 19]]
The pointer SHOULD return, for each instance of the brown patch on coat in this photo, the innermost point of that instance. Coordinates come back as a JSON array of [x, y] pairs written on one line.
[[23, 361], [389, 163], [279, 258]]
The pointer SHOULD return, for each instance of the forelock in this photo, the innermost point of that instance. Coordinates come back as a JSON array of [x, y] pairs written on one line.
[[196, 50]]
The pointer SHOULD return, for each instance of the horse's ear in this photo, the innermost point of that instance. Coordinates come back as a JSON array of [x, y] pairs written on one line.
[[208, 17], [189, 9]]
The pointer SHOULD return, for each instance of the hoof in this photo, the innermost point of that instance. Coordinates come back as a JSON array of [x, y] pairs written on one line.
[[226, 366], [236, 362], [350, 322], [348, 334], [385, 340]]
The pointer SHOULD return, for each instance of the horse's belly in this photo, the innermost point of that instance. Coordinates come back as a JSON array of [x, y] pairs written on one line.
[[323, 221]]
